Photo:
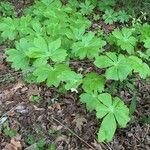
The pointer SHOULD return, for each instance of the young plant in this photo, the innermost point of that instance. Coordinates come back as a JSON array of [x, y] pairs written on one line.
[[86, 8], [125, 39], [104, 5], [110, 16], [111, 111], [123, 17]]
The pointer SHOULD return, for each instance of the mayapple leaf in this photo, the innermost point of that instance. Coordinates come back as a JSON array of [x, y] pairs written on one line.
[[110, 110], [72, 79], [90, 100], [8, 27], [50, 74], [107, 129], [47, 49], [88, 47], [18, 56], [93, 82], [139, 67], [117, 67], [110, 16], [125, 39]]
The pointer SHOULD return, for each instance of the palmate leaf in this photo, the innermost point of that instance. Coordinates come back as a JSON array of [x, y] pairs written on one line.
[[8, 27], [88, 47], [138, 66], [87, 7], [125, 39], [112, 111], [43, 48], [90, 100], [18, 56], [72, 79], [93, 82], [50, 74], [117, 66], [110, 16], [106, 4]]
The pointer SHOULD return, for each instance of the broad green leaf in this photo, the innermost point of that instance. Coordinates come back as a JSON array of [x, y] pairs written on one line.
[[107, 129], [106, 99], [112, 111], [18, 59], [45, 49], [50, 74], [93, 82], [121, 112], [117, 68], [90, 100], [125, 39], [8, 27], [72, 79], [110, 16], [18, 56], [88, 47], [139, 67]]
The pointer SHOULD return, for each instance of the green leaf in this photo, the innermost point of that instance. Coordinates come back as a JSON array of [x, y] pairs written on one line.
[[111, 111], [133, 104], [106, 4], [18, 56], [139, 67], [8, 27], [50, 74], [107, 129], [93, 82], [110, 16], [121, 112], [117, 67], [87, 7], [123, 16], [125, 39], [88, 47], [46, 49], [90, 100], [72, 79]]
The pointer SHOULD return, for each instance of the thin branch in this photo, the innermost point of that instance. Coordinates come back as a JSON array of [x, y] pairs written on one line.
[[73, 133]]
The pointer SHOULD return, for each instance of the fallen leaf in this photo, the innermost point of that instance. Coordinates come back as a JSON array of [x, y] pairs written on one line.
[[33, 90], [79, 121], [14, 144], [7, 94]]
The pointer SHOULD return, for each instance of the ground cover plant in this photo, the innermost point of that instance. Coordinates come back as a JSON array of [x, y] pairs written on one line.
[[49, 36]]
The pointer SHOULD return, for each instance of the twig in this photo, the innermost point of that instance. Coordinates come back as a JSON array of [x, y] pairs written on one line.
[[12, 109], [73, 133], [59, 145]]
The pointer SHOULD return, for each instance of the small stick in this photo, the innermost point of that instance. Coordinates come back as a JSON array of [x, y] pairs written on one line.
[[74, 133]]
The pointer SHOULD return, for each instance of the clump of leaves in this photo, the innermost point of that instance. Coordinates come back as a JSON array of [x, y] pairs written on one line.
[[112, 111], [110, 16], [51, 35], [104, 5], [86, 7], [6, 9]]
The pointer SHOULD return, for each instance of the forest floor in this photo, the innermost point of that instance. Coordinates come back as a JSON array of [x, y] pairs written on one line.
[[35, 112]]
